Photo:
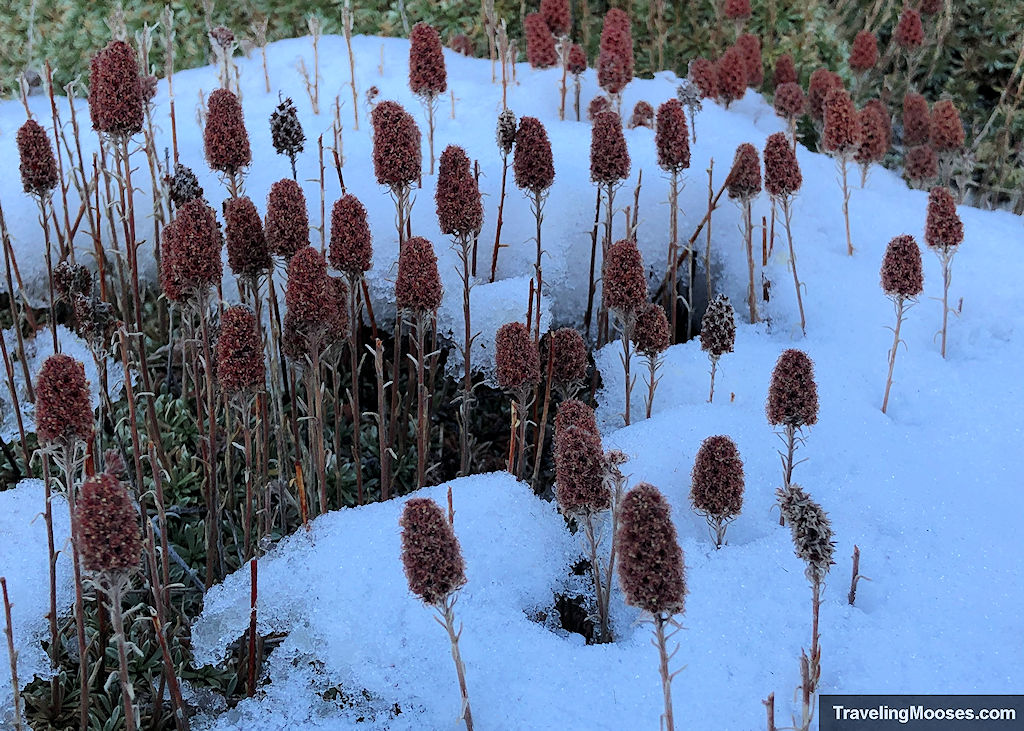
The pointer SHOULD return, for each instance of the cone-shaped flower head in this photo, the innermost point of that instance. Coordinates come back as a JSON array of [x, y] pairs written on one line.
[[311, 301], [943, 229], [737, 9], [909, 31], [624, 284], [115, 91], [461, 43], [598, 105], [921, 164], [609, 156], [516, 357], [430, 552], [427, 75], [191, 256], [790, 101], [946, 129], [916, 120], [351, 244], [38, 166], [793, 394], [672, 137], [650, 333], [71, 279], [287, 221], [339, 328], [540, 44], [822, 82], [785, 71], [811, 529], [397, 157], [744, 180], [418, 287], [239, 352], [842, 127], [717, 478], [225, 138], [107, 526], [459, 209], [505, 135], [615, 61], [781, 170], [248, 255], [579, 462], [643, 116], [184, 186], [557, 16], [750, 47], [533, 165], [731, 76], [651, 567], [874, 134], [577, 60], [864, 52], [63, 402], [570, 355], [703, 74], [718, 327], [902, 273], [286, 129]]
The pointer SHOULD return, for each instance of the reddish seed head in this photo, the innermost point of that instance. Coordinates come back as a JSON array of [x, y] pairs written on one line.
[[540, 44], [921, 164], [672, 137], [793, 394], [248, 255], [533, 165], [624, 284], [63, 403], [744, 181], [842, 127], [781, 170], [609, 156], [910, 31], [107, 526], [874, 134], [579, 468], [516, 357], [430, 552], [822, 82], [943, 229], [703, 74], [239, 352], [418, 286], [459, 209], [577, 59], [750, 47], [643, 116], [461, 43], [864, 52], [946, 129], [718, 327], [731, 76], [717, 478], [615, 61], [339, 326], [115, 91], [790, 101], [427, 75], [397, 158], [651, 565], [556, 15], [38, 166], [737, 9], [598, 105], [785, 71], [191, 255], [902, 273], [351, 245], [570, 354], [573, 413], [650, 333], [307, 294], [916, 120], [225, 138], [287, 222]]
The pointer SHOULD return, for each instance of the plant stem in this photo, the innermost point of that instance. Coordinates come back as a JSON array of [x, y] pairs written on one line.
[[748, 228], [355, 320], [538, 211], [593, 264], [666, 676], [595, 570], [501, 209], [787, 213], [673, 242], [460, 669], [538, 451], [422, 421], [466, 403], [114, 596], [846, 205], [652, 382], [787, 462], [714, 367], [947, 260], [212, 517], [900, 304], [13, 655], [253, 584]]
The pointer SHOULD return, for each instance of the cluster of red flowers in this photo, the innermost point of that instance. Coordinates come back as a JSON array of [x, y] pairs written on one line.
[[239, 352], [909, 30], [579, 461], [418, 285], [717, 478], [718, 328], [533, 164], [38, 166], [785, 71], [703, 74], [744, 180], [516, 357], [672, 137], [459, 209], [782, 175], [943, 229], [902, 273], [864, 52], [624, 284], [609, 156], [248, 255], [116, 105], [427, 75], [643, 115], [351, 245], [287, 222], [842, 127], [557, 16], [570, 356], [650, 333], [225, 138], [431, 554], [615, 60], [107, 526], [822, 82], [731, 76], [651, 565], [750, 46], [63, 402], [793, 394], [790, 101], [397, 157], [190, 257], [540, 44]]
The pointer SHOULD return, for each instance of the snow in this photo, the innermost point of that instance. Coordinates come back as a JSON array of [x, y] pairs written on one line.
[[930, 492], [23, 562]]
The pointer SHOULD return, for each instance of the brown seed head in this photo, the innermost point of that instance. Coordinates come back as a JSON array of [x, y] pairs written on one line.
[[248, 255], [902, 274], [239, 352], [910, 31], [459, 209], [183, 186], [107, 526], [570, 354], [351, 244], [643, 116], [577, 60], [557, 16], [793, 394], [672, 137], [781, 170], [930, 7], [651, 567], [115, 91], [717, 478], [811, 530], [609, 155], [579, 462], [785, 71], [946, 128], [225, 138], [718, 327], [822, 82], [615, 61], [943, 229], [864, 52], [916, 120], [598, 105], [191, 254], [737, 9], [63, 402], [574, 414], [750, 47], [533, 165], [38, 166], [874, 134], [430, 552], [418, 286], [540, 44], [921, 164], [427, 75], [463, 44], [287, 221], [397, 158], [842, 127], [744, 180], [308, 294], [506, 132], [704, 75], [624, 284], [516, 357], [286, 130], [731, 76], [650, 333], [339, 327], [790, 101]]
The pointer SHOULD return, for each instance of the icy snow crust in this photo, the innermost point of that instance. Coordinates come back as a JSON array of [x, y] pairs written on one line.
[[930, 492]]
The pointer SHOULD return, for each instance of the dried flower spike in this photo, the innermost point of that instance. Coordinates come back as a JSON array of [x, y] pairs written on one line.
[[184, 185], [430, 552], [225, 138], [793, 394], [811, 529], [750, 46], [286, 130], [909, 31], [943, 228], [782, 175], [557, 16], [842, 129], [533, 164], [717, 482], [731, 76], [945, 127], [427, 75], [418, 286], [643, 116], [570, 356], [579, 466], [516, 357], [703, 74], [790, 101], [115, 91], [506, 132], [397, 158], [624, 284], [651, 567], [650, 333], [351, 244], [921, 164], [609, 155], [287, 221], [191, 254], [63, 402], [864, 52], [615, 60], [540, 44], [785, 71], [902, 273], [916, 120], [822, 82], [718, 328], [744, 180], [239, 352], [672, 137], [248, 255], [459, 209], [38, 166], [107, 526]]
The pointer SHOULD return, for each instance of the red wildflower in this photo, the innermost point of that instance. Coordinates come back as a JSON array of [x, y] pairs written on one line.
[[943, 228], [909, 31], [459, 209], [781, 170], [239, 352], [671, 137], [864, 52], [248, 255], [427, 76], [287, 222], [38, 166], [785, 71], [556, 15], [651, 565], [731, 75], [516, 357], [750, 47], [744, 181], [793, 394], [717, 478], [609, 156], [225, 139], [916, 120], [624, 284], [418, 286], [63, 402], [351, 245], [703, 74], [431, 555], [107, 526], [842, 128], [615, 61], [397, 158], [902, 273], [533, 165], [540, 44], [115, 91], [946, 129]]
